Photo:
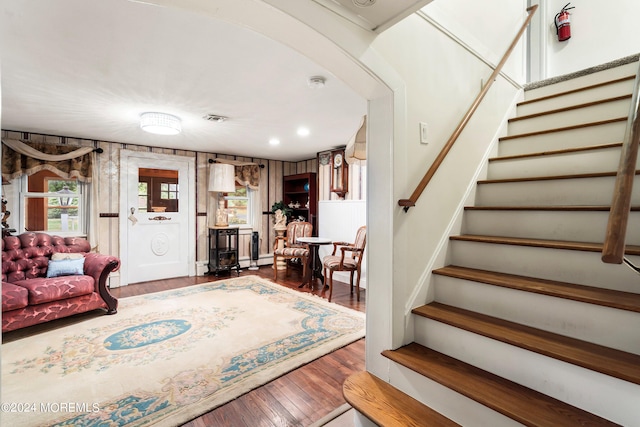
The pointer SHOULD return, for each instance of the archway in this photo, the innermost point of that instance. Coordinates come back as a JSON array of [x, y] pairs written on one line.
[[344, 50]]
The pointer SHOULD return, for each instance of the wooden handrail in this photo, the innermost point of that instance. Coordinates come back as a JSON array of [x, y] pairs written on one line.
[[614, 243], [411, 201]]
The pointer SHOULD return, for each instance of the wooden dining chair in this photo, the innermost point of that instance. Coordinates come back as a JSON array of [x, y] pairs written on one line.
[[348, 259], [292, 248]]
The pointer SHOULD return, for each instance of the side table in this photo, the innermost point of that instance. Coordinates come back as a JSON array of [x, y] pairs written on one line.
[[314, 267], [223, 249]]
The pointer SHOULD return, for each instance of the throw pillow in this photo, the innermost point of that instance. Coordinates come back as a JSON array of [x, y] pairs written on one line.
[[65, 267], [56, 256]]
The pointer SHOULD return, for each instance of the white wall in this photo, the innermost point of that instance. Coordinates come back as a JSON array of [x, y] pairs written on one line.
[[339, 221], [601, 31], [442, 79], [490, 36]]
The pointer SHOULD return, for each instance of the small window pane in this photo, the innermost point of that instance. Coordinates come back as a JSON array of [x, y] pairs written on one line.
[[238, 206], [143, 196]]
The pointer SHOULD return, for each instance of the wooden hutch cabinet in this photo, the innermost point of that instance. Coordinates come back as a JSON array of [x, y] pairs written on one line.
[[301, 195]]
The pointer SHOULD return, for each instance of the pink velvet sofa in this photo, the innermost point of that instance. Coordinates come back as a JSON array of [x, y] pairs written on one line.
[[79, 284]]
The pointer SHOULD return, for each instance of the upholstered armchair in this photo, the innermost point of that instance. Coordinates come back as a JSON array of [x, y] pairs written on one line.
[[348, 259], [291, 247]]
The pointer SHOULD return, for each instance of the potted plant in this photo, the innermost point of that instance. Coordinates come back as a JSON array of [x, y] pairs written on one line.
[[286, 210]]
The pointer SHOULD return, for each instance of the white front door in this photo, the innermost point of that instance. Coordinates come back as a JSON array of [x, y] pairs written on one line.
[[157, 203]]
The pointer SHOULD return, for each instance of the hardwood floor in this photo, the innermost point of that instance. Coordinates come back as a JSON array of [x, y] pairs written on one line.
[[298, 398]]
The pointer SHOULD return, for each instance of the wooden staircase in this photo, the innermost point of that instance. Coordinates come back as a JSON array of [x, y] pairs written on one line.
[[528, 326]]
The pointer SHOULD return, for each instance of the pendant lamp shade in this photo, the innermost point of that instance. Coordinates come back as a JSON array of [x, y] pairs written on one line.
[[222, 178], [356, 151]]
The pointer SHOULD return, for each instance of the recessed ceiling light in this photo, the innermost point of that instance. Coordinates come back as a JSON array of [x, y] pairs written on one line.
[[160, 123], [274, 141], [303, 131]]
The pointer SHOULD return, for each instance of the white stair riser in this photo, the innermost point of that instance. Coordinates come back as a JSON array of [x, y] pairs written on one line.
[[574, 138], [576, 226], [587, 322], [606, 111], [581, 162], [563, 265], [451, 404], [600, 394], [576, 98], [580, 82], [552, 192]]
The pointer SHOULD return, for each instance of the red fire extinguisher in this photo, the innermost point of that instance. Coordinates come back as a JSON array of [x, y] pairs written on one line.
[[563, 23]]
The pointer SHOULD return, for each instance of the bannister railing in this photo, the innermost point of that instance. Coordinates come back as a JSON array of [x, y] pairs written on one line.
[[614, 243], [411, 201]]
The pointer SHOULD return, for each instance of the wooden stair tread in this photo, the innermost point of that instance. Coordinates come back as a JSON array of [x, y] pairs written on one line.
[[515, 401], [557, 152], [569, 108], [542, 243], [608, 361], [568, 208], [387, 406], [588, 294], [551, 177], [580, 89], [562, 129]]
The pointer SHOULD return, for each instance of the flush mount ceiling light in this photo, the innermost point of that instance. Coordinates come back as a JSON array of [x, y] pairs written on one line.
[[160, 123], [363, 3], [316, 82], [303, 131]]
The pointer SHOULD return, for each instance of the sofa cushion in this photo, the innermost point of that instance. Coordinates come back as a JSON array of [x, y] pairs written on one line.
[[65, 267], [43, 289], [13, 296]]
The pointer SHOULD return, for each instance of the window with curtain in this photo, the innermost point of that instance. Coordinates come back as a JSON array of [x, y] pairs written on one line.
[[238, 205], [53, 186], [243, 205]]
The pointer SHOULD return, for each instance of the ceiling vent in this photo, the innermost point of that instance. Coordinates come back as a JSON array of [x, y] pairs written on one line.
[[214, 118], [364, 3]]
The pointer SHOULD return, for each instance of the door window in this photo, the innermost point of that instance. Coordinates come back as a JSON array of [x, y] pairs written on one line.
[[157, 190]]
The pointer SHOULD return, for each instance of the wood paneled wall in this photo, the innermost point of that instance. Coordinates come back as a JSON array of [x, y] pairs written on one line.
[[108, 185]]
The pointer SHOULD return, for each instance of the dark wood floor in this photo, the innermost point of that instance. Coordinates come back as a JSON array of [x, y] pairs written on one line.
[[302, 396]]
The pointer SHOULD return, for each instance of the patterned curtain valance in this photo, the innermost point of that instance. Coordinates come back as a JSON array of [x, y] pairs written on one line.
[[248, 175], [26, 158]]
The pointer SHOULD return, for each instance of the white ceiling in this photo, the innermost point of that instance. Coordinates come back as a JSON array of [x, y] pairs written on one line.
[[89, 68]]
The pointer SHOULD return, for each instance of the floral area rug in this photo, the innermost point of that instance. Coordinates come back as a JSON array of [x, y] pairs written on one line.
[[168, 357]]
